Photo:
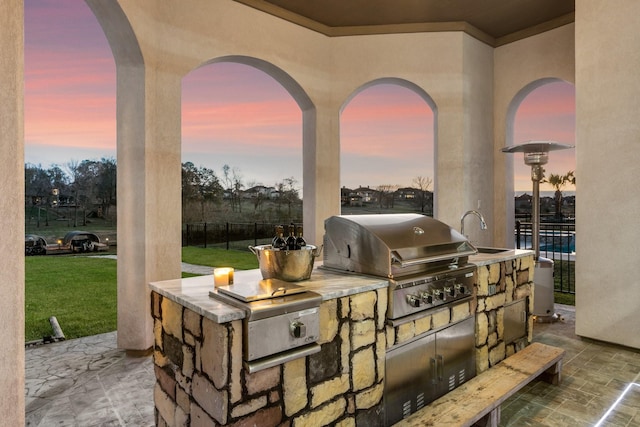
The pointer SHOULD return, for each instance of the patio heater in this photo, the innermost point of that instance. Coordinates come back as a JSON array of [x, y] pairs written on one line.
[[536, 154]]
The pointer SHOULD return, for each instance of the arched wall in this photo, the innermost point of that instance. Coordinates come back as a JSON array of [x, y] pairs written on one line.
[[156, 43], [458, 78], [515, 105], [309, 128], [521, 67], [456, 71]]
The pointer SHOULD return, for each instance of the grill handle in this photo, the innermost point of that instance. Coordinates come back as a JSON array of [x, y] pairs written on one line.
[[397, 259]]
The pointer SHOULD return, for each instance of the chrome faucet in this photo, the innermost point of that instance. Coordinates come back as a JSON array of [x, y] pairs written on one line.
[[483, 224]]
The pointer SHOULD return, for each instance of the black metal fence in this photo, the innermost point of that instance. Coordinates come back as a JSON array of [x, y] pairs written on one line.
[[557, 242], [228, 235]]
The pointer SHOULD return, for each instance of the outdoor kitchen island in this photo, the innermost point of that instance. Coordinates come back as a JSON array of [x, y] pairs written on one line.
[[203, 380]]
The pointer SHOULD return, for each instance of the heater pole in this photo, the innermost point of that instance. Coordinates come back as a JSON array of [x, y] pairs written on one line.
[[536, 176]]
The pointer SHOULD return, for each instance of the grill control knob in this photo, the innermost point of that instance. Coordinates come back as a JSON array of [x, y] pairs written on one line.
[[413, 301], [450, 291], [427, 297], [462, 289], [298, 329], [439, 294]]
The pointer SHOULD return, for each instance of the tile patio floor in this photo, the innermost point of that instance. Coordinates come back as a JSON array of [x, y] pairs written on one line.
[[89, 382]]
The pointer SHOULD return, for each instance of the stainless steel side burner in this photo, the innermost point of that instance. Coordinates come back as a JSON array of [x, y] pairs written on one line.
[[282, 320]]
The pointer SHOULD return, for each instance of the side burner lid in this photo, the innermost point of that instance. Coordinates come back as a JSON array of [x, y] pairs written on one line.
[[264, 289]]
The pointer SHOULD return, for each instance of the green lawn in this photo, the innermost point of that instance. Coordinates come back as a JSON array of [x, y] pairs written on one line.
[[212, 257], [80, 291]]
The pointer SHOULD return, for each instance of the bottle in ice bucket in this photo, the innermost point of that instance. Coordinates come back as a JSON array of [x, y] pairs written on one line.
[[278, 241], [291, 238], [300, 242]]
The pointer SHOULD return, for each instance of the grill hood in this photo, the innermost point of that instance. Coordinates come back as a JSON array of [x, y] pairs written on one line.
[[392, 245]]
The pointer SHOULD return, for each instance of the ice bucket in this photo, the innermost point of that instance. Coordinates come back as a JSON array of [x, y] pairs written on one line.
[[287, 265]]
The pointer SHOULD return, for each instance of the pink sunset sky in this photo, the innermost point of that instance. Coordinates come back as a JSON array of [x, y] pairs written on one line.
[[237, 115]]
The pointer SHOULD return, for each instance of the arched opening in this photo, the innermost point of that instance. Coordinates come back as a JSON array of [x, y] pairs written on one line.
[[387, 142], [70, 169], [242, 134], [545, 110]]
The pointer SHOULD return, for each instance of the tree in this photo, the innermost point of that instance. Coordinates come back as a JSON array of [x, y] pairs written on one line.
[[288, 193], [257, 197], [199, 185], [209, 189], [232, 181], [558, 182], [38, 184], [189, 186], [106, 184], [72, 167], [385, 195], [424, 198]]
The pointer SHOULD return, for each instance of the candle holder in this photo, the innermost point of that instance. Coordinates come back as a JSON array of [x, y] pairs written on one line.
[[223, 276]]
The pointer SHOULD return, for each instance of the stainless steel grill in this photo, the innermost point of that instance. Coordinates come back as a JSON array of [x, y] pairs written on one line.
[[425, 259], [426, 262], [393, 245]]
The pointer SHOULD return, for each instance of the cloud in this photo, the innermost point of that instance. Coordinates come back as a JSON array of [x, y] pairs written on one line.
[[386, 132], [232, 109]]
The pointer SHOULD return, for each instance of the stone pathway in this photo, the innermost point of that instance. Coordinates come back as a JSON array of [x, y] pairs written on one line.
[[88, 382], [186, 268]]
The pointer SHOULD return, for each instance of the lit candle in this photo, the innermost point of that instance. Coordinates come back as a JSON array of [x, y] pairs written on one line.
[[223, 276]]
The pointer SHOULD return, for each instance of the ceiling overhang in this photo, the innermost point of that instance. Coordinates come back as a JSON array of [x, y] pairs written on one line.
[[494, 22]]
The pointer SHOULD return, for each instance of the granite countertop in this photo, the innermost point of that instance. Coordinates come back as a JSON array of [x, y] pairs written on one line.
[[193, 292], [504, 255]]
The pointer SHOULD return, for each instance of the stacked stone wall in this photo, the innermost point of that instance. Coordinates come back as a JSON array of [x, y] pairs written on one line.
[[201, 380], [499, 284], [432, 320]]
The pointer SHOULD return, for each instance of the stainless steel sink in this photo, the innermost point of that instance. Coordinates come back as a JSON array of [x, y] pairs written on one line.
[[487, 250]]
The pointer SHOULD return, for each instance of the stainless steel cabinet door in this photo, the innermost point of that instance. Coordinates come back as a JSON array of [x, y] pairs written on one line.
[[409, 374], [455, 355]]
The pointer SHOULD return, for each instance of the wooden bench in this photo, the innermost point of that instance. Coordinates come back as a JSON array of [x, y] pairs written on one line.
[[478, 400]]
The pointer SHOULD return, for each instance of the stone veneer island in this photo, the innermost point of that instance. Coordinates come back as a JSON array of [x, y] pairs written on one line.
[[201, 381]]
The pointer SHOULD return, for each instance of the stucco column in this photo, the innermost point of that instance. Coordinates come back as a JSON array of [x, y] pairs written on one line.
[[12, 213], [607, 127], [321, 170], [149, 214], [149, 174], [464, 160]]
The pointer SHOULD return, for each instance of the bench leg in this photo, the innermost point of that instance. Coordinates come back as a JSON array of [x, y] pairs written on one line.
[[492, 419], [553, 375]]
